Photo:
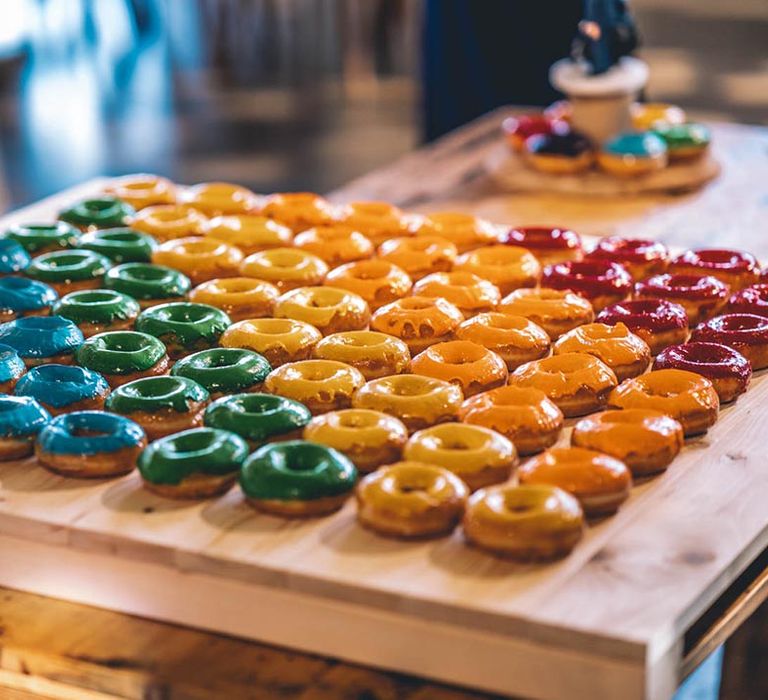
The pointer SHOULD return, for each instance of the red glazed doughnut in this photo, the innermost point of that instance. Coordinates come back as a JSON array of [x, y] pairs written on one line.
[[701, 297], [727, 369], [641, 257], [601, 281], [752, 300], [518, 129], [733, 267], [549, 245], [658, 322], [747, 333]]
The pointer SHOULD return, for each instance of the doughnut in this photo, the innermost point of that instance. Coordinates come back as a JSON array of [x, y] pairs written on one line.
[[560, 109], [368, 438], [42, 339], [647, 115], [336, 244], [685, 396], [44, 238], [524, 523], [120, 245], [321, 385], [98, 212], [468, 292], [658, 322], [684, 141], [64, 388], [419, 255], [526, 416], [122, 356], [298, 211], [69, 270], [633, 154], [645, 440], [196, 463], [377, 221], [557, 311], [98, 310], [249, 233], [727, 369], [751, 300], [509, 267], [222, 371], [280, 340], [148, 284], [576, 382], [640, 257], [411, 500], [746, 333], [559, 154], [601, 483], [90, 445], [286, 268], [200, 259], [220, 198], [462, 362], [701, 297], [517, 129], [184, 327], [627, 354], [732, 267], [238, 297], [549, 245], [11, 368], [160, 405], [329, 309], [418, 321], [479, 456], [513, 338], [21, 419], [142, 190], [258, 418], [465, 231], [374, 354], [416, 400], [297, 479], [601, 281], [167, 221], [377, 281], [13, 257], [20, 296]]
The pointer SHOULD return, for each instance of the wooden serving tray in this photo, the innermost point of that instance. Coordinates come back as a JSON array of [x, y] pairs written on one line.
[[607, 622]]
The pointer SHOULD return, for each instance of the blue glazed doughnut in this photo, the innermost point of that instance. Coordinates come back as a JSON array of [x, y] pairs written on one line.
[[20, 296], [64, 388], [21, 419], [90, 444], [41, 339], [11, 368], [633, 153], [13, 257]]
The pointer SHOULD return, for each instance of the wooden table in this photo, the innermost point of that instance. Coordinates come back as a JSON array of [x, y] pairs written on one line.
[[58, 649]]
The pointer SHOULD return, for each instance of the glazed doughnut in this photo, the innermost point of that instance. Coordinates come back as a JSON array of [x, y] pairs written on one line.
[[419, 255], [148, 284], [732, 267], [12, 367], [640, 257], [469, 365], [701, 297], [517, 129], [559, 154], [377, 281], [63, 388], [238, 297], [98, 310], [286, 268], [377, 221], [727, 369], [468, 292], [576, 382], [557, 311], [685, 396], [524, 523], [509, 267], [368, 438], [465, 231], [416, 400], [478, 456], [196, 463], [39, 340], [220, 198], [627, 354], [119, 244], [658, 322], [647, 115], [746, 333], [248, 232], [751, 300], [98, 212], [646, 441], [14, 259], [223, 371], [329, 309], [418, 321], [336, 244], [684, 141], [632, 154], [601, 483], [549, 245], [298, 211], [44, 238], [280, 340], [411, 500], [321, 385], [297, 479], [601, 281], [69, 270], [167, 221], [374, 354], [21, 420], [20, 296], [142, 190], [200, 259]]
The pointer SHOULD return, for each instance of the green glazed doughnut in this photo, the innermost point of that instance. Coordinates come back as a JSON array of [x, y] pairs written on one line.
[[40, 238], [149, 284], [98, 310], [684, 140], [119, 244], [66, 270], [258, 417], [122, 356], [184, 327], [99, 212], [224, 370]]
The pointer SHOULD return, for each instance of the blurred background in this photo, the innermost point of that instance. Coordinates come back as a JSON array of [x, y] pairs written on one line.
[[306, 94]]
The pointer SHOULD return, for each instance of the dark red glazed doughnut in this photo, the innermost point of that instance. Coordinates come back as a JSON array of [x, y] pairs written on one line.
[[658, 322], [747, 333], [752, 300], [549, 245], [734, 267], [517, 129], [641, 257], [601, 281], [701, 297]]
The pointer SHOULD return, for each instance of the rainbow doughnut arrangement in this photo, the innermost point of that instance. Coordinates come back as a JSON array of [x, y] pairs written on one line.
[[312, 352]]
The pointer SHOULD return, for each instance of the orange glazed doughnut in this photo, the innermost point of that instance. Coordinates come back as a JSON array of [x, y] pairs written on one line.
[[280, 340], [248, 232], [471, 366], [377, 221], [377, 281], [685, 396], [419, 321], [240, 297], [514, 338], [167, 221], [416, 400], [328, 309], [286, 268], [600, 483], [200, 259], [556, 311], [374, 354], [220, 198], [509, 267], [627, 354], [142, 190], [336, 244], [466, 232], [470, 293], [298, 210], [646, 441], [419, 255], [576, 382]]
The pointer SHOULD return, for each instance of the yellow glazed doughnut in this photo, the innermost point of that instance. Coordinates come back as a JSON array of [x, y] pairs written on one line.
[[419, 255], [646, 115], [374, 354], [509, 267], [466, 232], [328, 309], [377, 221], [556, 311], [336, 244], [478, 456], [142, 190], [286, 268], [248, 232], [470, 293], [200, 259], [280, 340], [411, 499], [298, 210], [220, 198], [240, 297], [167, 221], [377, 281]]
